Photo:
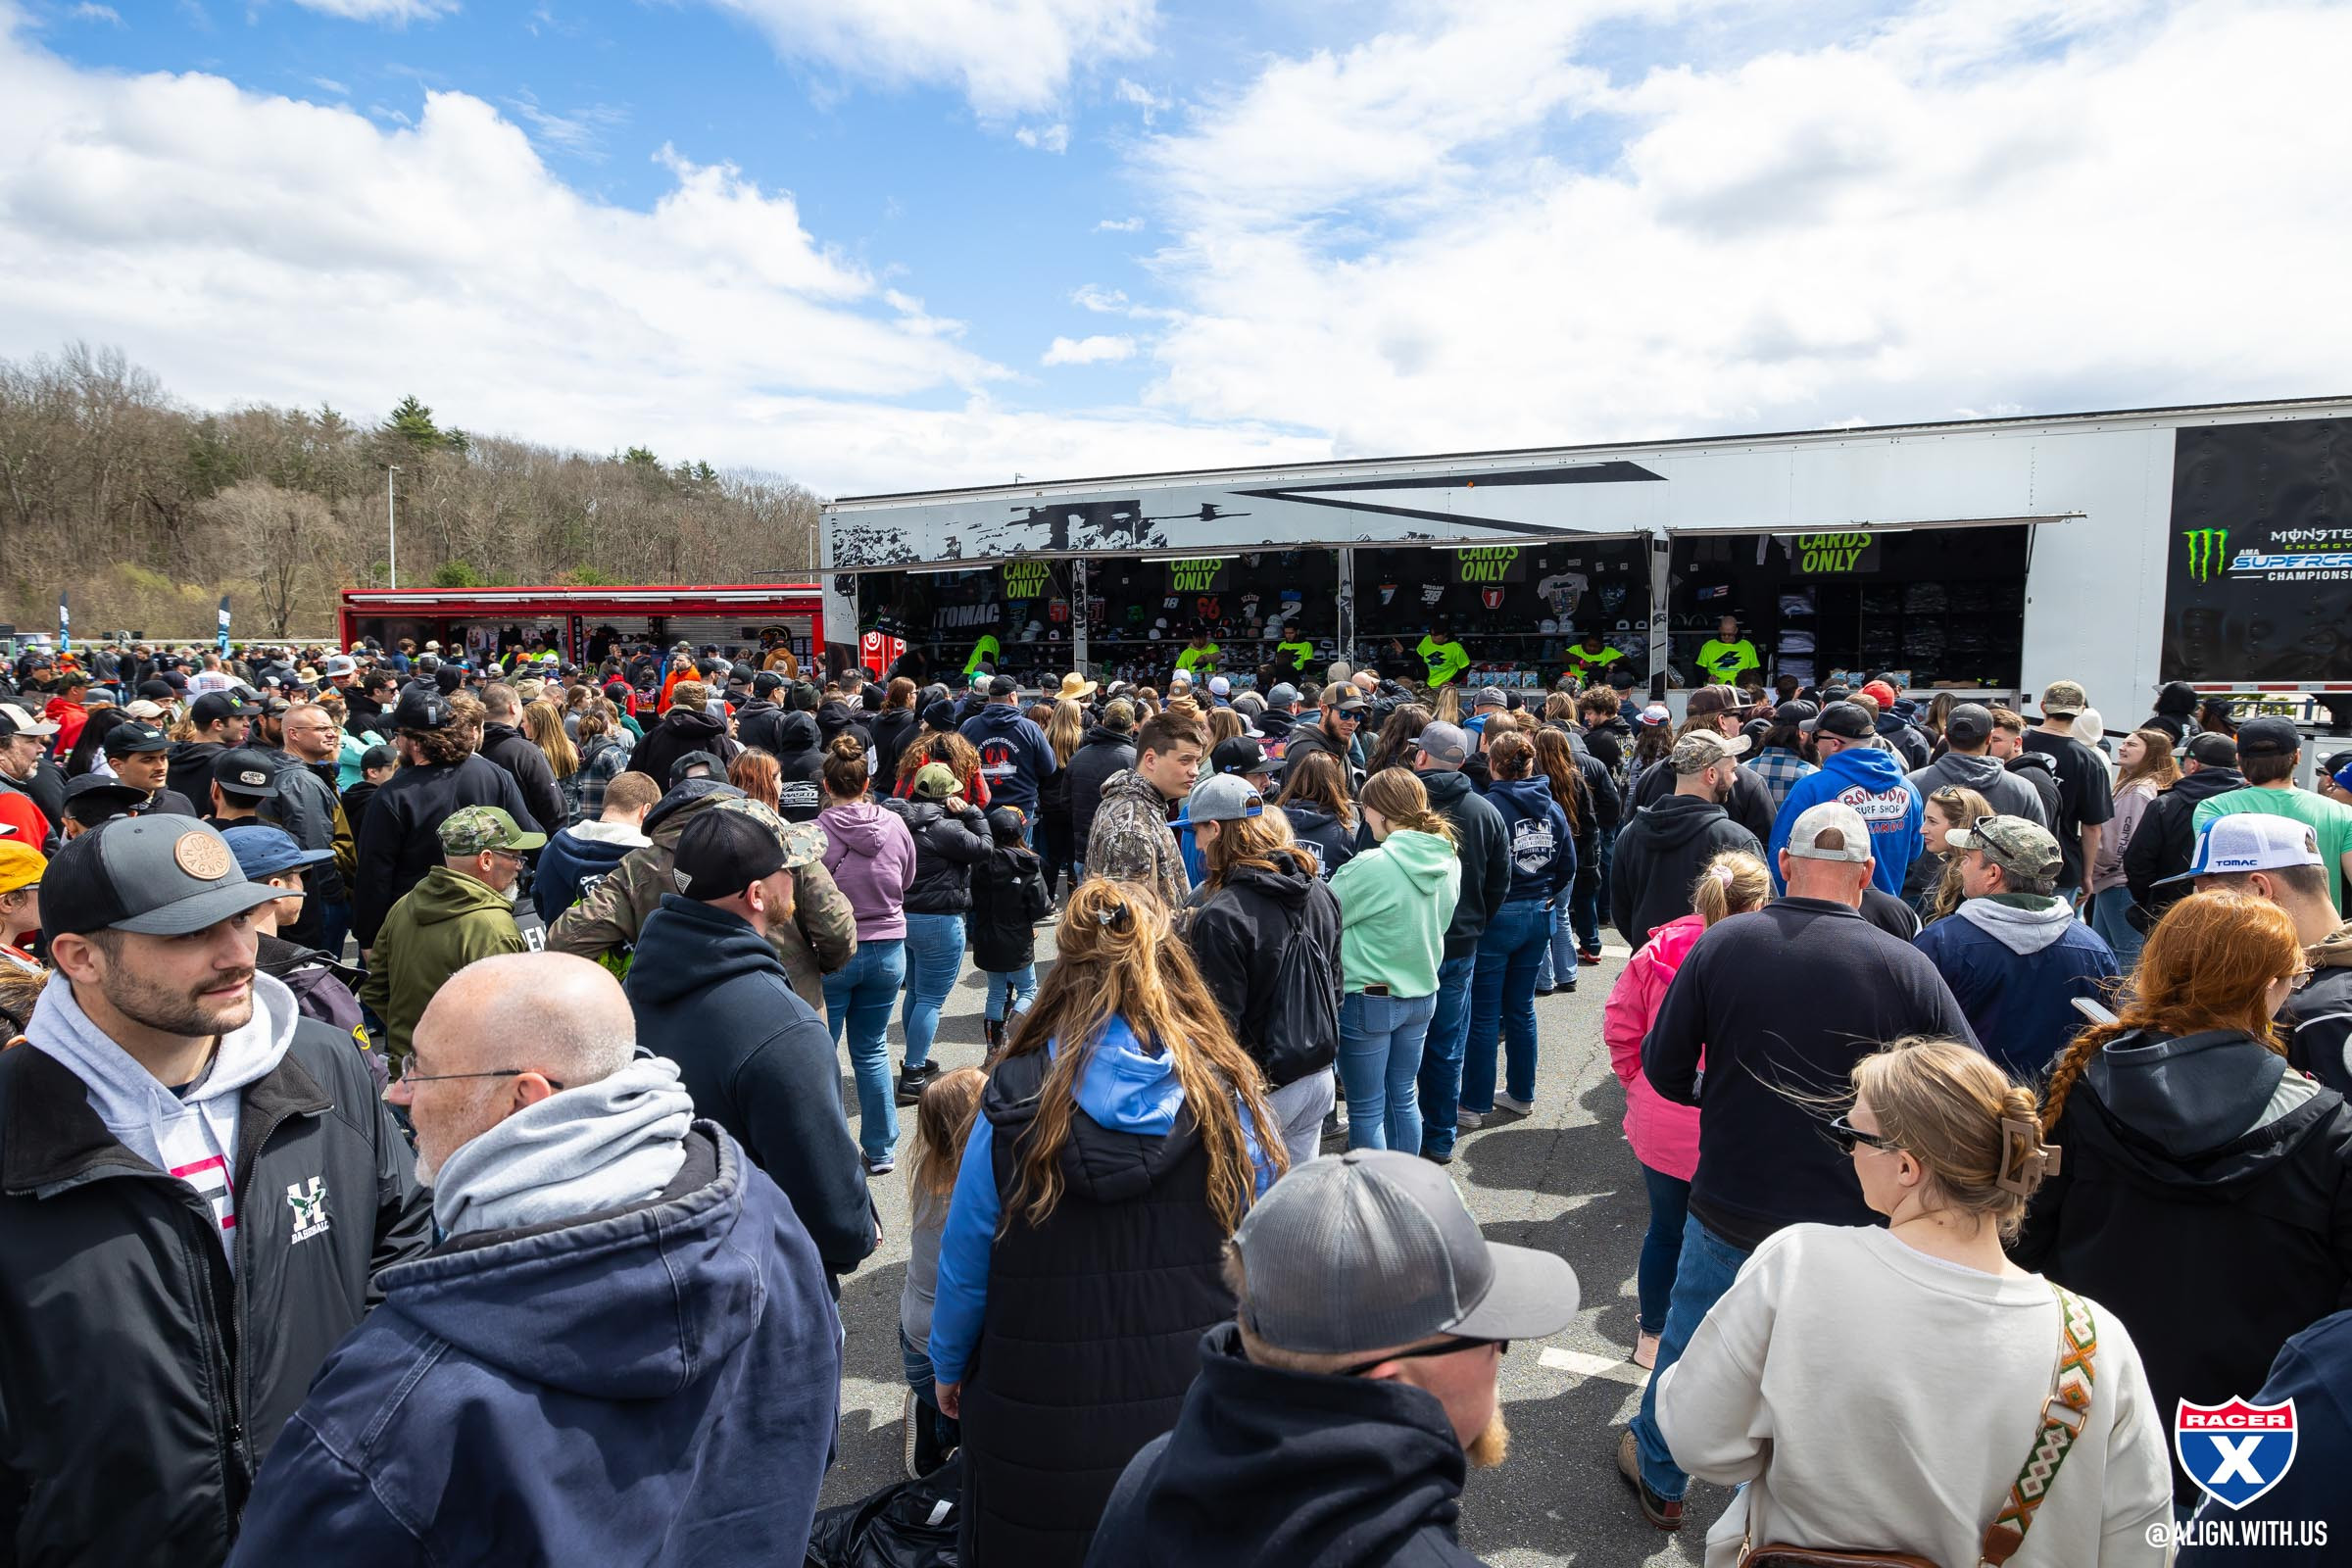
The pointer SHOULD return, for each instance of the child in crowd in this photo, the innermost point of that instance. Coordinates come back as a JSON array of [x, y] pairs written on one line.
[[943, 1121], [1008, 899]]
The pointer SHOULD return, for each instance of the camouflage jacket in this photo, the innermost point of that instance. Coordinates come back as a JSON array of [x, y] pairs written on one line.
[[821, 937], [1132, 841]]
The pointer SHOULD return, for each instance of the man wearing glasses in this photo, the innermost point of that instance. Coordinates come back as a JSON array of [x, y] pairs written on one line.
[[1333, 1419], [462, 910]]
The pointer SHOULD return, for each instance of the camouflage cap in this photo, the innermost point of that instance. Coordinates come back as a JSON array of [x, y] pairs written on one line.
[[2024, 850], [934, 781], [805, 843], [471, 829]]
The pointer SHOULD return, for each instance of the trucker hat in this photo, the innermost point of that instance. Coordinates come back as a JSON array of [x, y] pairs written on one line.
[[2026, 852], [1829, 832], [132, 737], [1845, 720], [1445, 743], [1968, 723], [2064, 699], [245, 773], [933, 781], [471, 829], [1221, 798], [1702, 749], [1374, 1248], [16, 721], [1243, 756], [2269, 737], [215, 706], [164, 875], [340, 665], [1345, 696], [266, 850], [2250, 841]]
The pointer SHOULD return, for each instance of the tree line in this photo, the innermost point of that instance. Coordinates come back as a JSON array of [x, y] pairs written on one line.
[[148, 510]]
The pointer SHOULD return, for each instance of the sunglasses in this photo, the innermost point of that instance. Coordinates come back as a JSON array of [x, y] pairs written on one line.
[[2298, 979], [1441, 1348], [1848, 1135]]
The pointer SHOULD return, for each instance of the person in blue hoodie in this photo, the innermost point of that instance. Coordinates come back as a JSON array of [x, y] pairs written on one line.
[[621, 1348], [711, 995], [2013, 952], [1081, 1260], [1015, 757], [1856, 773], [584, 854], [1510, 951]]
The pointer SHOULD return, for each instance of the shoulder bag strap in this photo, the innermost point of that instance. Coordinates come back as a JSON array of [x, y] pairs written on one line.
[[2064, 1415]]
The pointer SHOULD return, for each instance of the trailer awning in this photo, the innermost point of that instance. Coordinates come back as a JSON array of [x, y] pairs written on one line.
[[1868, 525]]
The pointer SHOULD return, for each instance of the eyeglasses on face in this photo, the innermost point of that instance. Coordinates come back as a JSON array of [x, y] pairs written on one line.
[[2297, 979], [495, 1072], [1441, 1348], [1848, 1135]]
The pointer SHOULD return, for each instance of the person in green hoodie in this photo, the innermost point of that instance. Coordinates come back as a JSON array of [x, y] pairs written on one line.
[[1395, 901], [462, 910]]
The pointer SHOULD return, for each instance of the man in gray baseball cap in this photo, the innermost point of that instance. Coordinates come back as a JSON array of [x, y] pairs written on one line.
[[159, 1066], [1335, 1418]]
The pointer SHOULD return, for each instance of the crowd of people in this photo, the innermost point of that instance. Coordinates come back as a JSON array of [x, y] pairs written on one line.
[[422, 1137]]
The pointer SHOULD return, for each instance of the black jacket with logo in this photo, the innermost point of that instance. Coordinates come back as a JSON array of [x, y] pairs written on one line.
[[141, 1379]]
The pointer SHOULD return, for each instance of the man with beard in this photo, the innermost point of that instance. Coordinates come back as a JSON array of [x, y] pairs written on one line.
[[199, 1188], [23, 742], [1335, 1418], [1663, 848]]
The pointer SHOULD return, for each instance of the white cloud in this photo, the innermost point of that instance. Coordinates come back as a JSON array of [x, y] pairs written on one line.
[[1142, 97], [330, 84], [1053, 138], [1119, 226], [1007, 57], [400, 13], [1469, 235], [1104, 300], [1099, 349], [580, 133], [86, 11]]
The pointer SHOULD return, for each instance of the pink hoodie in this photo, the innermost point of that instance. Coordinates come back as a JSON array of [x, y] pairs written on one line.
[[1664, 1135]]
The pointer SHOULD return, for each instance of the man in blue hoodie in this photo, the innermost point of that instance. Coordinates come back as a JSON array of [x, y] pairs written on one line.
[[584, 854], [711, 995], [1015, 757], [1853, 772], [2013, 952], [621, 1349]]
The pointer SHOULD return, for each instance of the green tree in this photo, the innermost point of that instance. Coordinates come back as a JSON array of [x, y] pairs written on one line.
[[414, 423], [642, 458], [458, 575]]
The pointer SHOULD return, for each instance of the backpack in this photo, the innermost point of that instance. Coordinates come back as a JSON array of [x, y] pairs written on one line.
[[1302, 1018]]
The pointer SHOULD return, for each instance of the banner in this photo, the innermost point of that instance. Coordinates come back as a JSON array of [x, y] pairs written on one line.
[[1027, 579], [1834, 554], [1203, 575], [1486, 564], [2258, 561], [65, 621], [224, 639]]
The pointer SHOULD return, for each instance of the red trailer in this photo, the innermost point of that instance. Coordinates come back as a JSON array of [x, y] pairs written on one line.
[[582, 621]]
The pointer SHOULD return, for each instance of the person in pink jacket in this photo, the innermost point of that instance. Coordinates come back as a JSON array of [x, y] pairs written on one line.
[[1665, 1135]]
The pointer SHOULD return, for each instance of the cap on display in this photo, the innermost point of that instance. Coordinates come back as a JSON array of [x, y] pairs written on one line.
[[164, 876], [2251, 841], [1374, 1250], [2024, 850], [472, 829], [1829, 832]]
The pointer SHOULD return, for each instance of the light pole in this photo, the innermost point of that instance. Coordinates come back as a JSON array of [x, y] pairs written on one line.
[[391, 530]]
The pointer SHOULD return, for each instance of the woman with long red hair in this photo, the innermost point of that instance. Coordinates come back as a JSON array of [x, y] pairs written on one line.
[[2205, 1193]]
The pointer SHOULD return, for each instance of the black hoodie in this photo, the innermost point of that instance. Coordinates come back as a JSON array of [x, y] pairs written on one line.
[[1102, 754], [1275, 1469], [893, 729], [682, 732], [800, 768], [2166, 840], [1285, 1013], [2206, 1199], [756, 723], [838, 718], [2175, 710], [1480, 844], [1660, 854], [1320, 834]]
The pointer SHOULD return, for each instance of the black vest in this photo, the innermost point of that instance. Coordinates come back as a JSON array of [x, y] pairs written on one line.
[[1093, 1328]]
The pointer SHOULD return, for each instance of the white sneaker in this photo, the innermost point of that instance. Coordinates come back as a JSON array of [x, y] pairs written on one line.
[[1503, 1101], [1469, 1120]]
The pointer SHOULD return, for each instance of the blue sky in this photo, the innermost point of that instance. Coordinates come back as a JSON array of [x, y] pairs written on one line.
[[880, 244]]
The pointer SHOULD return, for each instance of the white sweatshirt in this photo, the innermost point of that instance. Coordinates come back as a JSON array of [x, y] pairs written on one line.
[[1874, 1396]]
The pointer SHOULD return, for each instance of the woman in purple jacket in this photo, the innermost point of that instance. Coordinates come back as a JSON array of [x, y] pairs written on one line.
[[871, 856]]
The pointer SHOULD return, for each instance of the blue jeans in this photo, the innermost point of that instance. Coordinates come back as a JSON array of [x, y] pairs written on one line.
[[1021, 982], [1442, 1064], [1380, 1051], [1653, 1278], [934, 959], [1558, 969], [2109, 916], [1502, 1001], [1704, 1271], [334, 925], [1584, 899], [857, 998], [946, 1430]]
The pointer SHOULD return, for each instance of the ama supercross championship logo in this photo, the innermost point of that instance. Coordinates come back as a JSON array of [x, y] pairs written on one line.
[[2235, 1451], [2208, 550]]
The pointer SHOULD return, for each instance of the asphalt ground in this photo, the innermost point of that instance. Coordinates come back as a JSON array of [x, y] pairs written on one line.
[[1562, 1179]]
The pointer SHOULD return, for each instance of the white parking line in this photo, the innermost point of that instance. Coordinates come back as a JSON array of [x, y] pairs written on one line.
[[1586, 1365]]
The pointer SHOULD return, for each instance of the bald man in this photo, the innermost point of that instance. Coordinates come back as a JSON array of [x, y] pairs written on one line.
[[616, 1291]]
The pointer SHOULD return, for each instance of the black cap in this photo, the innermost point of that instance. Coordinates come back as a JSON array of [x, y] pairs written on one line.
[[158, 691], [722, 852], [766, 683], [1241, 755], [1003, 686], [1845, 720], [939, 715], [683, 768], [1793, 712], [94, 797], [246, 775], [378, 757], [213, 706], [131, 736], [1968, 723], [161, 875], [2269, 737], [421, 706]]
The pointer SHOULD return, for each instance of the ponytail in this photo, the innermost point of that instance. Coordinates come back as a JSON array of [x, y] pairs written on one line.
[[1397, 795], [845, 770], [1733, 883]]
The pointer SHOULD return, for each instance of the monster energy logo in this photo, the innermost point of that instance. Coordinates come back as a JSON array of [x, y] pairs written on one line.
[[2208, 548]]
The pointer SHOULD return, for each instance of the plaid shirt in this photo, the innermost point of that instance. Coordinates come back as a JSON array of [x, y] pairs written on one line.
[[1780, 769]]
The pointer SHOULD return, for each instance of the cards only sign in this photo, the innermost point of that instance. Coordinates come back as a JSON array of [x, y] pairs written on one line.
[[1201, 574], [2236, 1451], [1027, 579], [1834, 554], [1489, 563]]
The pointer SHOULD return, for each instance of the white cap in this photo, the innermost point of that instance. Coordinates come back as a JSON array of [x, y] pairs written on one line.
[[1219, 686], [1841, 824]]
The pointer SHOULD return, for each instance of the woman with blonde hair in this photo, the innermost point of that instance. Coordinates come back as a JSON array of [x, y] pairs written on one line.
[[1664, 1135], [1057, 848], [2145, 769], [1122, 1123], [543, 726], [1395, 901], [1910, 1388], [2188, 1136], [943, 1124], [1933, 884]]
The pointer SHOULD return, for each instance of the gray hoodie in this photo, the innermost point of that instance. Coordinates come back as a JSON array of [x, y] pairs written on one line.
[[2021, 928], [2004, 791], [593, 1147], [191, 1135]]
